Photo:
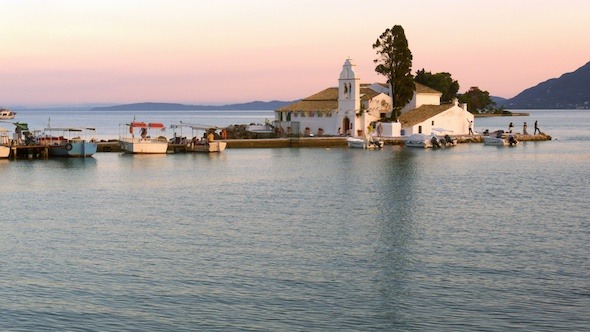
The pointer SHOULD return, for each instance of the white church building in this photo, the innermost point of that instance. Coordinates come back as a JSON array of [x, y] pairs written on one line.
[[353, 108]]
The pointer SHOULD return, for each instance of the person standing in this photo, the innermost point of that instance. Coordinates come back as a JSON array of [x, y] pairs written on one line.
[[470, 127], [536, 128], [510, 126], [524, 128]]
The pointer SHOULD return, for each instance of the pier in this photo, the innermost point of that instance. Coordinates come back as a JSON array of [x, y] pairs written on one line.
[[29, 151], [42, 151], [310, 142]]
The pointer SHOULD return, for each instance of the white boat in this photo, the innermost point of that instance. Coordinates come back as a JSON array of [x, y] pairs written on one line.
[[4, 143], [203, 138], [500, 139], [68, 141], [145, 143], [364, 143], [417, 141], [6, 114], [261, 129]]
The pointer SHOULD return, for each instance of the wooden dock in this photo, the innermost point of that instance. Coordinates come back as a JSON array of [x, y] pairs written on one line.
[[29, 152]]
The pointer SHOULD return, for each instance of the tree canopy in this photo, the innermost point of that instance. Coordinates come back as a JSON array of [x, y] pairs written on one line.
[[442, 82], [395, 63], [477, 100]]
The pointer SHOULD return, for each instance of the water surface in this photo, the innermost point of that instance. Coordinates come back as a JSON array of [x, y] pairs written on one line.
[[469, 238]]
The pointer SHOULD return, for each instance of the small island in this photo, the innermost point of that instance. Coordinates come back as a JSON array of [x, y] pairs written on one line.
[[500, 113]]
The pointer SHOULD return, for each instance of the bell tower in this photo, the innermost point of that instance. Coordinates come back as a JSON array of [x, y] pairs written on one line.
[[348, 89]]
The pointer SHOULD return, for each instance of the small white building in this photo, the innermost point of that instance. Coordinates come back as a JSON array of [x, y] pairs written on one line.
[[352, 108], [425, 113]]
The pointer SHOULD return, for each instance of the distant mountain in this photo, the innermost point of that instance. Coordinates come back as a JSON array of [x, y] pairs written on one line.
[[570, 91], [499, 100], [255, 105]]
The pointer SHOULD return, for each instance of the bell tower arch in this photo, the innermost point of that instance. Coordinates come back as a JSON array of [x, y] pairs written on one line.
[[348, 88]]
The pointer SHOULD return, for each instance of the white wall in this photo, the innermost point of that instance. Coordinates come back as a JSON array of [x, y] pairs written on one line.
[[455, 120], [391, 129], [422, 99]]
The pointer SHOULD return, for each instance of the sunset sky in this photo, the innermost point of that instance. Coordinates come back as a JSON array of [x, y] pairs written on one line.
[[226, 51]]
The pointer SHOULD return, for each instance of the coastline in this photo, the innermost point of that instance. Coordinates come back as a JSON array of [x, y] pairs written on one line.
[[315, 142], [488, 115]]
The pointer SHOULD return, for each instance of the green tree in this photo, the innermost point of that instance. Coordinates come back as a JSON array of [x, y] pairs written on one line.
[[395, 63], [477, 100], [442, 82]]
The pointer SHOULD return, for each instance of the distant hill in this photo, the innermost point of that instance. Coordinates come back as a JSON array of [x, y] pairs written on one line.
[[255, 105], [499, 100], [570, 91]]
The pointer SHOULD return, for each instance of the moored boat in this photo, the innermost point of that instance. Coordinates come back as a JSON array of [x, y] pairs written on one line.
[[4, 143], [203, 138], [417, 141], [499, 138], [68, 141], [145, 143], [364, 143]]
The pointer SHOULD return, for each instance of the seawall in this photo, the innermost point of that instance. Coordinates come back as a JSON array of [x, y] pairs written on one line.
[[319, 142]]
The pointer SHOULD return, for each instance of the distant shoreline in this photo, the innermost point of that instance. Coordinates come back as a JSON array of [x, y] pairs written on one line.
[[487, 115]]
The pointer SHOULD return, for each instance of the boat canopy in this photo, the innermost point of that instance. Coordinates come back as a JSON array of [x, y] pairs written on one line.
[[137, 124], [61, 129]]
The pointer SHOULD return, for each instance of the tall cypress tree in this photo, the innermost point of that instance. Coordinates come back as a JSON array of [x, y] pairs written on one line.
[[395, 63]]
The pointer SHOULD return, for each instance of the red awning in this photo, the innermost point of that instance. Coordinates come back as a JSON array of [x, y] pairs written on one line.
[[156, 125], [138, 124]]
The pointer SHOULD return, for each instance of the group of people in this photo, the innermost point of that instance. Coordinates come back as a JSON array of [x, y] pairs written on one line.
[[524, 128]]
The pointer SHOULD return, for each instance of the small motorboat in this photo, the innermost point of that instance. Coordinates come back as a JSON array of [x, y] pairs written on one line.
[[500, 138], [364, 143], [418, 141], [203, 138]]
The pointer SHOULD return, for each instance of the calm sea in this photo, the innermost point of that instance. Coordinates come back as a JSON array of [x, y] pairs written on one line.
[[469, 238]]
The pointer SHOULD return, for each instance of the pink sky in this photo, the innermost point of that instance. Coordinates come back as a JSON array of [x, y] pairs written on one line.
[[225, 51]]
